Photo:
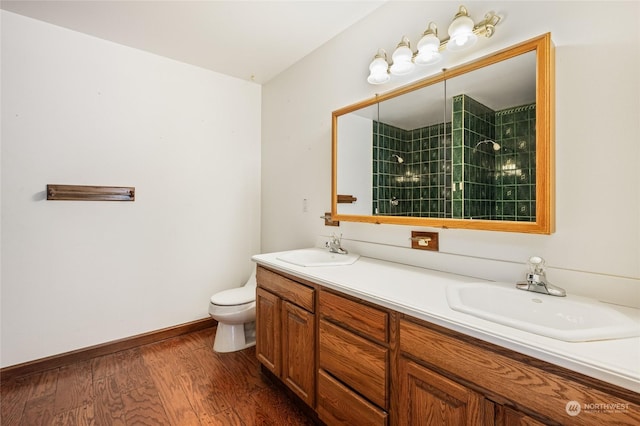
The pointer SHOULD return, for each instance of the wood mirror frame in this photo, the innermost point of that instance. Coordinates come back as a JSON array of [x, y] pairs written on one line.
[[544, 222]]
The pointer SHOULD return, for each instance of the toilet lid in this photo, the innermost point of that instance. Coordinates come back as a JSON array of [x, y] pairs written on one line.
[[235, 296]]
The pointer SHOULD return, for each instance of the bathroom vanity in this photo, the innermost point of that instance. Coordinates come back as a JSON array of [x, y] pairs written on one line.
[[376, 343]]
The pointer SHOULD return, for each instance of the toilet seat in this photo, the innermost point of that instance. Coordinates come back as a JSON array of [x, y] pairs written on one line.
[[224, 313], [234, 296]]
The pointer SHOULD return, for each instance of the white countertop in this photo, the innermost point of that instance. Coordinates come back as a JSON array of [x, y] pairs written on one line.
[[421, 293]]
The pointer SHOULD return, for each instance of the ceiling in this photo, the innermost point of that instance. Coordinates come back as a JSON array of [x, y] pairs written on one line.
[[250, 40]]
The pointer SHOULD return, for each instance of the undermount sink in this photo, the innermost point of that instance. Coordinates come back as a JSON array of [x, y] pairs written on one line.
[[317, 257], [571, 318]]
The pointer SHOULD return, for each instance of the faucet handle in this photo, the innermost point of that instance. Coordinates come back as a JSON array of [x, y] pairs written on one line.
[[537, 281], [536, 265]]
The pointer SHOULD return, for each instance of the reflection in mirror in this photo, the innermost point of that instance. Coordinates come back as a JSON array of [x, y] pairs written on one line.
[[411, 126], [354, 164], [494, 141], [462, 147]]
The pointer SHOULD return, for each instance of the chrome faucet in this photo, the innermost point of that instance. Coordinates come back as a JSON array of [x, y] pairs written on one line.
[[335, 245], [537, 281]]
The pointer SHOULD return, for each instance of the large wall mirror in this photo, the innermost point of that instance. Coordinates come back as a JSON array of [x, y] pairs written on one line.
[[471, 147]]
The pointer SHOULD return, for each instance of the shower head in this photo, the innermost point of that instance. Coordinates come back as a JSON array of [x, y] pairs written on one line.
[[496, 145], [398, 158]]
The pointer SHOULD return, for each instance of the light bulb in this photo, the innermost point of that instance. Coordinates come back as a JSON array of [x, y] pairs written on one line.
[[379, 69], [402, 58], [461, 34], [428, 47]]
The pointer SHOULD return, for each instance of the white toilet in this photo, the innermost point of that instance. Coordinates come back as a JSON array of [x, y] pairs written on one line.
[[235, 311]]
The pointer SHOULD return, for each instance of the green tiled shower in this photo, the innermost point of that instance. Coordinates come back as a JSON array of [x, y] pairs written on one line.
[[445, 173]]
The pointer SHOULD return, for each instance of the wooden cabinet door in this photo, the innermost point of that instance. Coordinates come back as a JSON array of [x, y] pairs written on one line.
[[298, 351], [431, 399], [268, 337], [509, 417]]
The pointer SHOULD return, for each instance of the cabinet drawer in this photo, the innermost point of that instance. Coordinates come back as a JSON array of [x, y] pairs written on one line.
[[287, 289], [542, 389], [339, 405], [361, 318], [356, 361]]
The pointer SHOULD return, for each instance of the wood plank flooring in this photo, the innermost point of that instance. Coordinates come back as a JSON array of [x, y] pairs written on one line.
[[178, 381]]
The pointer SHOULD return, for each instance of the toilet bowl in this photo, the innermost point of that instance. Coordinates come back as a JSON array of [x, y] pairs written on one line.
[[235, 311]]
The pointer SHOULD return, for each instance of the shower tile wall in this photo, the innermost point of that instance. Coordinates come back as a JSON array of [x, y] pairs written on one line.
[[473, 168], [487, 184], [429, 156], [420, 186], [515, 175], [388, 191]]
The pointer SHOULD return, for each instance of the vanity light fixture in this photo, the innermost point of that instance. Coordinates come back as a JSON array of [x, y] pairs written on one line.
[[428, 47], [402, 58], [463, 34], [379, 68]]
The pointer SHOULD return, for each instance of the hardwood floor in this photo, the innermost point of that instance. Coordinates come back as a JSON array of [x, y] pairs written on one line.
[[178, 381]]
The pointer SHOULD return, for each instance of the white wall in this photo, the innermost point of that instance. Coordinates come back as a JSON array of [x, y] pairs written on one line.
[[80, 110], [596, 249]]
